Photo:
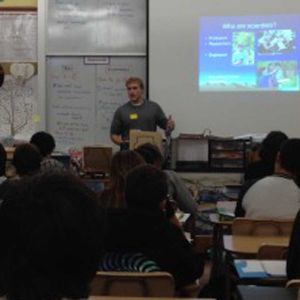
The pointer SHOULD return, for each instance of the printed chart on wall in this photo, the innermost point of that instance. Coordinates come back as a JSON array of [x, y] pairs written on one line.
[[18, 63], [83, 94]]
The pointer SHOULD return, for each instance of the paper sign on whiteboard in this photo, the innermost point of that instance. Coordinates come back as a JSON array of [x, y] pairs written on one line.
[[18, 3], [18, 37]]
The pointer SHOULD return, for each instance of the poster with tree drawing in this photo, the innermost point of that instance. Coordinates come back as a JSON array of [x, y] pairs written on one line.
[[18, 61], [18, 100]]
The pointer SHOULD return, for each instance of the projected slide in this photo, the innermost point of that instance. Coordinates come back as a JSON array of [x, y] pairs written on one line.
[[259, 53]]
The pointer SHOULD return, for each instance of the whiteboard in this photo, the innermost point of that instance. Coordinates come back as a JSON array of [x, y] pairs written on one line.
[[82, 96], [96, 27]]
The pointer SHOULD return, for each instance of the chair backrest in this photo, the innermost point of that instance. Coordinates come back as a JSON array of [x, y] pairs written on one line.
[[96, 159], [133, 284], [244, 226], [189, 291], [294, 283], [272, 252]]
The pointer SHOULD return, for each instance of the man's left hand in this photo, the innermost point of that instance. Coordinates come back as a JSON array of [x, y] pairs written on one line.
[[170, 124]]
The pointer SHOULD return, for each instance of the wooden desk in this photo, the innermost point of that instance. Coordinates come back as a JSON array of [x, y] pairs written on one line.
[[250, 244], [246, 246], [259, 292]]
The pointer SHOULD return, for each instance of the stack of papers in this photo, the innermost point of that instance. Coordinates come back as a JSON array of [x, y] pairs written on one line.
[[260, 268]]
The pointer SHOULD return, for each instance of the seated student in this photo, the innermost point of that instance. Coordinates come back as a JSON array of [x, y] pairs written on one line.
[[2, 163], [176, 187], [293, 259], [51, 228], [277, 196], [144, 227], [27, 160], [122, 162], [263, 167], [45, 142], [267, 153]]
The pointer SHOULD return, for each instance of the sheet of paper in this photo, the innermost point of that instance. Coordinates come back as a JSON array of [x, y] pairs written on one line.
[[274, 267], [182, 217], [226, 206], [252, 266]]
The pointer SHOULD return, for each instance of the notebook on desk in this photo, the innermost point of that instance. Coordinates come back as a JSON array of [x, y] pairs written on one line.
[[253, 268], [225, 210]]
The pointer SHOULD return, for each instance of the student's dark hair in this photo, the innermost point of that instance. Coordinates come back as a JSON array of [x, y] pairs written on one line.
[[44, 141], [51, 236], [146, 187], [122, 162], [27, 159], [290, 157], [150, 153], [271, 145], [2, 160]]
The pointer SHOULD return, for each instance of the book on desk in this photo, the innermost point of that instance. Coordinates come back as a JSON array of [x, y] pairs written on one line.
[[253, 268], [225, 210]]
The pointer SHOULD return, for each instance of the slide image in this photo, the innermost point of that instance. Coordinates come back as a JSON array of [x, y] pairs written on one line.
[[277, 75], [243, 47], [276, 41], [249, 53]]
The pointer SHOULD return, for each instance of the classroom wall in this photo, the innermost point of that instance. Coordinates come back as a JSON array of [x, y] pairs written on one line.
[[173, 71]]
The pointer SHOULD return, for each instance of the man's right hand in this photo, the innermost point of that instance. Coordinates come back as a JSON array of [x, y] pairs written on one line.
[[170, 124]]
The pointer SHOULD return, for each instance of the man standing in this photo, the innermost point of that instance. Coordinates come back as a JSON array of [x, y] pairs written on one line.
[[137, 113]]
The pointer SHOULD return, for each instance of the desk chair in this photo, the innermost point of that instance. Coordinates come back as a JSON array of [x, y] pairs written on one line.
[[266, 227], [294, 283], [140, 284], [265, 252], [255, 227], [133, 284], [272, 252], [138, 137]]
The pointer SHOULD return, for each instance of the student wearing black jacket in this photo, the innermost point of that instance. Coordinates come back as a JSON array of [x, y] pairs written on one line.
[[145, 228], [268, 153], [293, 260]]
